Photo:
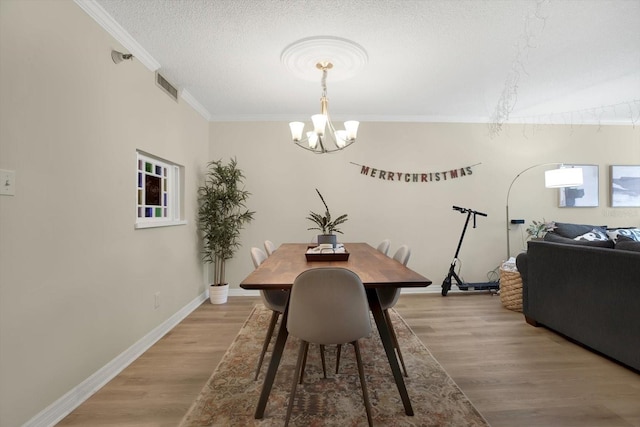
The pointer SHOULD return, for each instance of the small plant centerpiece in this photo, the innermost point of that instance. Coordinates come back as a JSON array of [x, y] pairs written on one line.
[[222, 213], [537, 229], [327, 227]]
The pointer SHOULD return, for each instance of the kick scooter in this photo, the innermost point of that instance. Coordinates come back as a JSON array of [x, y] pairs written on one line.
[[446, 284]]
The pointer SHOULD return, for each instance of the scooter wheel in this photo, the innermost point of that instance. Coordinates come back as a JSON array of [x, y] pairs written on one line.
[[446, 285]]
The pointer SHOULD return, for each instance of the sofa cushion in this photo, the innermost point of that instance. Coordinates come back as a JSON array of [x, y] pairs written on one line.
[[553, 237], [632, 233], [627, 244], [566, 229], [593, 235]]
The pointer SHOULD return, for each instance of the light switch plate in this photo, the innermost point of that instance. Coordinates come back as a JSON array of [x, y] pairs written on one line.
[[7, 183]]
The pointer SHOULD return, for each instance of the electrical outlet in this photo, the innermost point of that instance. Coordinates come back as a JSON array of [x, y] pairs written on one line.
[[7, 183], [156, 303]]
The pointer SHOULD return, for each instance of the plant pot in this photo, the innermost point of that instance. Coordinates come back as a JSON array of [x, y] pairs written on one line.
[[218, 294], [328, 238]]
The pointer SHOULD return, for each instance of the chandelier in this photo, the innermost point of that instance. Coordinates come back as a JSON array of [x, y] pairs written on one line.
[[324, 138]]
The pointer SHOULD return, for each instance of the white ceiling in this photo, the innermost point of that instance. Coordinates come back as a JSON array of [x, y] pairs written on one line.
[[571, 61]]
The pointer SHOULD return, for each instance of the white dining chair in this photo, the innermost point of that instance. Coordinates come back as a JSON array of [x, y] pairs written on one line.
[[269, 247], [384, 246], [274, 300], [328, 306], [389, 298]]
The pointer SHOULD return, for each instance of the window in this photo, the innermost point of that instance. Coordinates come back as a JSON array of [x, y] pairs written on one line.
[[159, 188]]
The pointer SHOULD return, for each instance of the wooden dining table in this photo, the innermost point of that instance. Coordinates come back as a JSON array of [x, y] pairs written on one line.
[[376, 271]]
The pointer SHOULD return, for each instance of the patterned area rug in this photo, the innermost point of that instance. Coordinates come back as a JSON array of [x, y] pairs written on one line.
[[230, 396]]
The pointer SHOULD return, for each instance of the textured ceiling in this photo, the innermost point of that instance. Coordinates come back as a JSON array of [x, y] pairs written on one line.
[[541, 61]]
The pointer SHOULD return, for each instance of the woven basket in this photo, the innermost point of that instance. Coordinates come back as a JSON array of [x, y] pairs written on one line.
[[511, 290]]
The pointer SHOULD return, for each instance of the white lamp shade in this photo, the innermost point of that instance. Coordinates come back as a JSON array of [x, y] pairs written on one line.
[[312, 137], [319, 123], [563, 177], [296, 130], [341, 138], [352, 129]]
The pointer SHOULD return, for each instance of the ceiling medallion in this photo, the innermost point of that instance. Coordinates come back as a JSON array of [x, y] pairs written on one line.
[[301, 57]]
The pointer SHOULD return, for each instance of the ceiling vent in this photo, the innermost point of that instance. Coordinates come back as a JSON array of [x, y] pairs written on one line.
[[167, 87]]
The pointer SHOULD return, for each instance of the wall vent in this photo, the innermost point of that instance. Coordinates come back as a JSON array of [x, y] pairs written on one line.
[[167, 87]]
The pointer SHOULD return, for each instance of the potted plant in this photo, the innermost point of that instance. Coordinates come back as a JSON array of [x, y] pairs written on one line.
[[325, 224], [537, 229], [222, 213]]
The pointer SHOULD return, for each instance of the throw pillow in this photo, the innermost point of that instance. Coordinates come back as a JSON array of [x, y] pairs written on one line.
[[632, 233], [572, 231], [627, 244], [593, 235], [553, 237]]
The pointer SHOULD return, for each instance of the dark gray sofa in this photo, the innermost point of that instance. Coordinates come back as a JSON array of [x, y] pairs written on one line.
[[588, 294]]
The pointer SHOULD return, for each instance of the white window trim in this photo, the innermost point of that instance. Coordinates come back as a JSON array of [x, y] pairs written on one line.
[[176, 198], [140, 225]]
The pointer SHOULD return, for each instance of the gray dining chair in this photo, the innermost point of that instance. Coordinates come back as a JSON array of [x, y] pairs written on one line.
[[328, 306], [269, 247], [274, 300], [388, 299], [384, 246]]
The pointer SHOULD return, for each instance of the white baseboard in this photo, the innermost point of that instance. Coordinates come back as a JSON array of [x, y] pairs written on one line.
[[76, 396]]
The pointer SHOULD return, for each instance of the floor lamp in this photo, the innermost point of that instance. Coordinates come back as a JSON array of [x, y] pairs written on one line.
[[553, 178]]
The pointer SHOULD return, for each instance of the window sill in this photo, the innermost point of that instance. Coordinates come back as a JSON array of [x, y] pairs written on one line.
[[158, 224]]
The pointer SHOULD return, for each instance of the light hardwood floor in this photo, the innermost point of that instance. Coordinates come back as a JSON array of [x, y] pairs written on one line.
[[514, 373]]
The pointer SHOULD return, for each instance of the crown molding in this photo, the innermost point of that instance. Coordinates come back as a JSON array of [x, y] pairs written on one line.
[[189, 99], [106, 21]]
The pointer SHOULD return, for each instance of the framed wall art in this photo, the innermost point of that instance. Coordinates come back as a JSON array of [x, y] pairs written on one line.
[[584, 196], [625, 186]]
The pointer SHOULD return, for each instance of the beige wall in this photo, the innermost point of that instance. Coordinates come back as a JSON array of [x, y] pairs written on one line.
[[282, 178], [77, 282]]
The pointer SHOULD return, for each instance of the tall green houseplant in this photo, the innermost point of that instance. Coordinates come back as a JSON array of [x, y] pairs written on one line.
[[222, 213]]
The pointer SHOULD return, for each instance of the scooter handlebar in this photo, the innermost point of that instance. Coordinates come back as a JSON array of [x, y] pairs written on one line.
[[463, 210]]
